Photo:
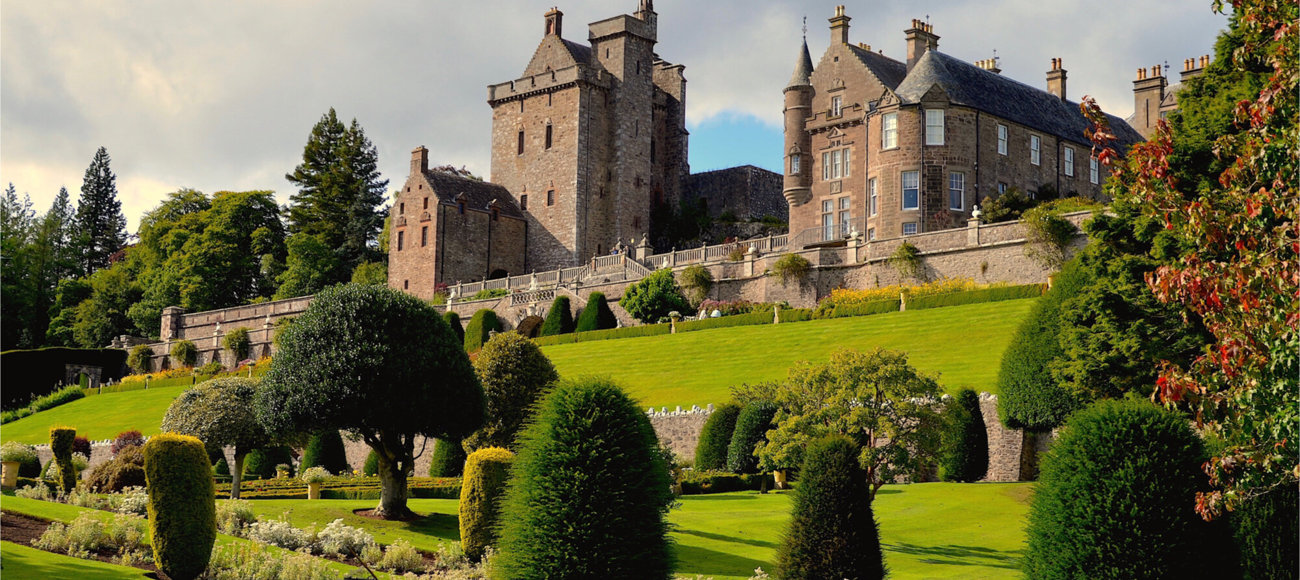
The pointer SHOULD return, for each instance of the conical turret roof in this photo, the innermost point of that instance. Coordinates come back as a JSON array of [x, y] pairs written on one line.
[[802, 69]]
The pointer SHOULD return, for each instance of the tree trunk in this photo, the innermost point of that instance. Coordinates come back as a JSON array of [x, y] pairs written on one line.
[[237, 474], [392, 495]]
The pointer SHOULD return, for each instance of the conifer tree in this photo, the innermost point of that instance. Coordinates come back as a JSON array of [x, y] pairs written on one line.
[[100, 220]]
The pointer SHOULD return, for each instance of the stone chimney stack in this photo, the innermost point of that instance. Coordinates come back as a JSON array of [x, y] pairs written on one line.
[[1056, 79], [419, 160], [1194, 67], [989, 64], [554, 22], [1148, 92], [920, 38], [839, 27]]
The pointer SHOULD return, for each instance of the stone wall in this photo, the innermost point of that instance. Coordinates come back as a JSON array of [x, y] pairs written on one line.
[[747, 192], [680, 428]]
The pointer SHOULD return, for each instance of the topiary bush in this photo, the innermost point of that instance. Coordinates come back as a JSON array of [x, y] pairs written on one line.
[[182, 504], [514, 374], [559, 319], [453, 320], [1028, 397], [1115, 499], [654, 296], [325, 449], [832, 531], [964, 448], [125, 469], [221, 468], [141, 359], [448, 459], [61, 440], [238, 343], [371, 465], [715, 437], [752, 424], [262, 462], [486, 472], [185, 353], [480, 329], [1265, 528], [588, 491], [596, 315]]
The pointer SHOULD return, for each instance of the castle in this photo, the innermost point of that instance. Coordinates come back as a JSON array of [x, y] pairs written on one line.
[[586, 145], [884, 147]]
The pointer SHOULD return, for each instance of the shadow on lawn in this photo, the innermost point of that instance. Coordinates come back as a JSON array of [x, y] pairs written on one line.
[[953, 555], [442, 526], [732, 539], [695, 560]]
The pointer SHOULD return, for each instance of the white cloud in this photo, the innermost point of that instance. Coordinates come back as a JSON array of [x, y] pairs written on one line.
[[221, 95]]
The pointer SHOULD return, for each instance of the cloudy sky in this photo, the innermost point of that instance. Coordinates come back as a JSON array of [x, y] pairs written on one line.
[[221, 94]]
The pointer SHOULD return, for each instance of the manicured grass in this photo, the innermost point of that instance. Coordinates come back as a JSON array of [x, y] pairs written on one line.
[[24, 562], [930, 530], [963, 344], [98, 417]]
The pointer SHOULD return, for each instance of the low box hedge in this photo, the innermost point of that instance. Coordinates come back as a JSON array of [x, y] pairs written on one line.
[[796, 314], [607, 334], [994, 294], [866, 308], [750, 319], [702, 482], [343, 488]]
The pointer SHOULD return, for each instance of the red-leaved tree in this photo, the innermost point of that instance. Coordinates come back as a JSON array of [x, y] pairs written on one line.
[[1239, 267]]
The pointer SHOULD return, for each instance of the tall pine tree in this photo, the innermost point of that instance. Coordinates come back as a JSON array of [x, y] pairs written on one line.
[[16, 286], [99, 216], [340, 195]]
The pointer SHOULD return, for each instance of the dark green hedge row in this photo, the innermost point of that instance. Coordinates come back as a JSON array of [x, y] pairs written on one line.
[[357, 488], [626, 332], [701, 482], [65, 395], [865, 308], [996, 294], [27, 374], [751, 319], [796, 314]]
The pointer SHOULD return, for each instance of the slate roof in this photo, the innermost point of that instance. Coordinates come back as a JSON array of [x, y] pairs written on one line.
[[969, 85], [479, 194], [889, 71], [803, 68], [580, 52]]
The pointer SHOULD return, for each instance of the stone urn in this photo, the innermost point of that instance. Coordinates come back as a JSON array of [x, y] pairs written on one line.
[[281, 472], [10, 477], [313, 490], [778, 477]]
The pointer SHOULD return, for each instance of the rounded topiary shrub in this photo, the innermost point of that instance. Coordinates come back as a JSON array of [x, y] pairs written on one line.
[[596, 315], [480, 329], [185, 353], [654, 297], [61, 442], [126, 469], [453, 320], [588, 491], [1028, 397], [559, 319], [1265, 528], [1115, 499], [486, 472], [262, 462], [448, 459], [964, 449], [371, 465], [832, 531], [752, 424], [715, 437], [514, 374], [325, 449], [182, 504]]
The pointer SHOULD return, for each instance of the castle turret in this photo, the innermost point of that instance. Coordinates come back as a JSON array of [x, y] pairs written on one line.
[[798, 106]]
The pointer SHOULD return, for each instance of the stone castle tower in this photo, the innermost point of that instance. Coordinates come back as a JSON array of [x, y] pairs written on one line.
[[591, 138]]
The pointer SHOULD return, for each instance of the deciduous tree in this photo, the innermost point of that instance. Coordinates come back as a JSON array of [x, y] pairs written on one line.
[[219, 412]]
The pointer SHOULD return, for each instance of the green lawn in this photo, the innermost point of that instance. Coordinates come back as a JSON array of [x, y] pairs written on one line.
[[930, 530], [26, 562], [98, 416], [963, 344]]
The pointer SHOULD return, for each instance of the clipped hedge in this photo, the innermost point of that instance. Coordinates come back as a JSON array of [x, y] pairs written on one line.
[[453, 320], [715, 437], [448, 459], [1028, 397], [832, 531], [480, 329], [613, 333], [964, 447], [61, 441], [262, 462], [182, 509], [1115, 500], [65, 395], [325, 449], [559, 319], [866, 308], [371, 465], [994, 294], [596, 315], [751, 427], [366, 488], [486, 472], [751, 319], [795, 314], [696, 482], [27, 374], [1265, 528]]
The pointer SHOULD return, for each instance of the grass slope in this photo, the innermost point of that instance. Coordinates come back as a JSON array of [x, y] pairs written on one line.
[[964, 344], [99, 416], [24, 562]]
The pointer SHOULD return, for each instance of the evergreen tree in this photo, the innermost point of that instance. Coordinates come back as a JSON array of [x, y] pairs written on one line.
[[16, 288], [100, 220]]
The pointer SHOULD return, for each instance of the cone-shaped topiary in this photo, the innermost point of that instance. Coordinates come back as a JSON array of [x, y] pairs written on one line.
[[182, 504], [559, 319], [480, 329], [325, 449], [448, 459], [596, 315], [832, 530], [371, 465], [588, 491], [486, 472], [262, 462], [964, 449], [1028, 397], [61, 441], [453, 320], [514, 374], [1266, 529], [1115, 499], [715, 437], [752, 425], [221, 468]]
